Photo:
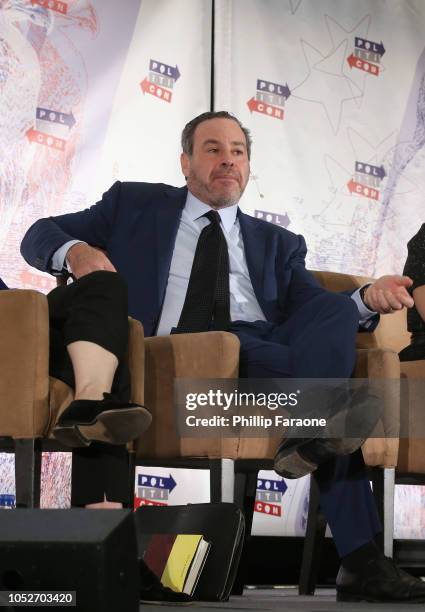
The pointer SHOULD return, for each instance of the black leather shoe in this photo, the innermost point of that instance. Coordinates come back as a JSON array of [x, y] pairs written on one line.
[[297, 457], [153, 591], [379, 581], [355, 412], [106, 420], [290, 462]]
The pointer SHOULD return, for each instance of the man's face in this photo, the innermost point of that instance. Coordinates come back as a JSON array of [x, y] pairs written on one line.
[[218, 169]]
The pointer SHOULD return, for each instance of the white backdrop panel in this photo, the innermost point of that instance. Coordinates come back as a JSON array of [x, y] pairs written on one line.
[[350, 68], [73, 114]]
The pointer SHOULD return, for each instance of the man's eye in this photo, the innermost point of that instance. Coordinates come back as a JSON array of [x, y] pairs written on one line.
[[214, 150]]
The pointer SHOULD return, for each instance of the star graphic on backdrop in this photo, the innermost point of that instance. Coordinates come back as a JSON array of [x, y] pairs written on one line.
[[378, 153], [325, 83], [339, 176], [294, 4], [338, 34], [335, 64], [364, 150], [337, 172]]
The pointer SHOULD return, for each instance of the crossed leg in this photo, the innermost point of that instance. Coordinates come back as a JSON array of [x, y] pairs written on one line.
[[89, 335]]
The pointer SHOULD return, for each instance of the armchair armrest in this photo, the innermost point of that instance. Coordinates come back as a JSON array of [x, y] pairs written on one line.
[[24, 363], [136, 360], [384, 364]]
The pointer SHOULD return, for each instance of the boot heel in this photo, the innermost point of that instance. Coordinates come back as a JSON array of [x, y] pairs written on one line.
[[70, 436]]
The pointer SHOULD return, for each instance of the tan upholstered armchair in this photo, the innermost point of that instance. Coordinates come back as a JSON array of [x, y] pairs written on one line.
[[216, 355], [30, 400]]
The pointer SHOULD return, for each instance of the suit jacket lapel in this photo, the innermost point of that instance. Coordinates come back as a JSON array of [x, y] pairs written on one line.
[[168, 215], [254, 239]]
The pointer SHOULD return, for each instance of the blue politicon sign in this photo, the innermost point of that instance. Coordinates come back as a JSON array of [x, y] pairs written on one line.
[[271, 485], [159, 482]]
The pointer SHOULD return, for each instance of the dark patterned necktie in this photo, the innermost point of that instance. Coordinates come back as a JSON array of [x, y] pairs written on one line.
[[207, 302]]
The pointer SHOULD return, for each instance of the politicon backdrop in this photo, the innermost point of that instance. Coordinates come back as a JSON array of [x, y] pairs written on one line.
[[333, 91]]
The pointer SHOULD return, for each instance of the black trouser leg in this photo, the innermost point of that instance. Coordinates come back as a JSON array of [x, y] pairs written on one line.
[[94, 309], [99, 471]]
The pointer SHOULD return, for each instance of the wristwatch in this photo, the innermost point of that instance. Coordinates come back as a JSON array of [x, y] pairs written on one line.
[[362, 293]]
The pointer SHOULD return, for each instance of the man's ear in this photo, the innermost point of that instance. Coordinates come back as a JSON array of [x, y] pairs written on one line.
[[185, 164]]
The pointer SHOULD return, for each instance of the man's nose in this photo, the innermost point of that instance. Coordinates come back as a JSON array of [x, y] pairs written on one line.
[[227, 161]]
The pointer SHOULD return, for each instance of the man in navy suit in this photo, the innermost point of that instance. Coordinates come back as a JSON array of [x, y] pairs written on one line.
[[288, 326]]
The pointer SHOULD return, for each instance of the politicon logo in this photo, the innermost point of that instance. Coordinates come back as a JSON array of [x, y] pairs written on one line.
[[366, 181], [37, 280], [52, 5], [276, 218], [366, 56], [268, 496], [153, 490], [161, 80], [270, 99], [52, 128]]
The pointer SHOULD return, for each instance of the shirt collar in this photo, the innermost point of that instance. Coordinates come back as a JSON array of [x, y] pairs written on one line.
[[195, 209]]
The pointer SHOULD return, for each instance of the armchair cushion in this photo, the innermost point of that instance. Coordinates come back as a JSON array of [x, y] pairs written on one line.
[[203, 355]]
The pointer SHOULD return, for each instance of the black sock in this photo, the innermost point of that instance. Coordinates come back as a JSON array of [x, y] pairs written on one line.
[[358, 558]]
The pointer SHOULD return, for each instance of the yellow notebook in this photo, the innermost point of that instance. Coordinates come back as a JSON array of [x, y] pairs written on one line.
[[177, 559]]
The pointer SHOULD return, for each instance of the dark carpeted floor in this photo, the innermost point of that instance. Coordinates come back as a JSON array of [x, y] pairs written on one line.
[[287, 600]]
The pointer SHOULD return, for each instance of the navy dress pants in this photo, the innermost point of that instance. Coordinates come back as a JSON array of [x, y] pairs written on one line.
[[318, 341]]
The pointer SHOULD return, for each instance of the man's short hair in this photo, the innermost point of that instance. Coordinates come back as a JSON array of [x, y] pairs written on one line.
[[189, 130]]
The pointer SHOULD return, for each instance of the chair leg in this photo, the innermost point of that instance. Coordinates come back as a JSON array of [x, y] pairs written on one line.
[[314, 538], [245, 490], [222, 480], [377, 478], [389, 493], [27, 472], [131, 477]]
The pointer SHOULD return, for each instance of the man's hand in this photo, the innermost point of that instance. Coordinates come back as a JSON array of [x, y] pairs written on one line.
[[84, 259], [389, 293]]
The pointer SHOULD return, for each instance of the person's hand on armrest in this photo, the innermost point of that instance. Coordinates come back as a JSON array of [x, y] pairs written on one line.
[[83, 259], [388, 293]]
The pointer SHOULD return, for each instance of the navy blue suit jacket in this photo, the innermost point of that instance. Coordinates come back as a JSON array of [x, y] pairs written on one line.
[[2, 285], [137, 223]]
